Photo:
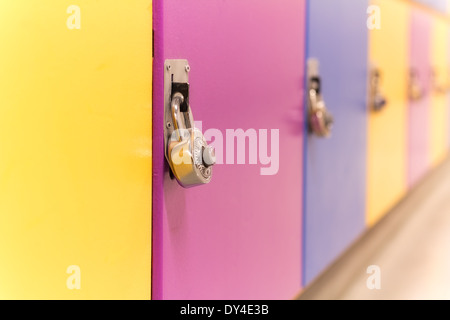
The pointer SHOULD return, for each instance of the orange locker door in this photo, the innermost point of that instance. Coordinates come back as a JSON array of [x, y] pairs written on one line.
[[75, 149], [387, 128]]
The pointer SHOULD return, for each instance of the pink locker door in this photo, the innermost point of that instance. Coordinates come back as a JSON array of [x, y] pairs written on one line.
[[238, 237]]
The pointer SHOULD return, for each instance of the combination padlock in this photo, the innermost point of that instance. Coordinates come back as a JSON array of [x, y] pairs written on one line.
[[377, 101], [320, 121], [187, 153]]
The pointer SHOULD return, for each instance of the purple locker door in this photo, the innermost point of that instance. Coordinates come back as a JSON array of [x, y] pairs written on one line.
[[238, 237], [418, 122]]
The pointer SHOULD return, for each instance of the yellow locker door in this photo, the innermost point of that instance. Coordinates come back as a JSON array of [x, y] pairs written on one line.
[[386, 181], [75, 149], [439, 100]]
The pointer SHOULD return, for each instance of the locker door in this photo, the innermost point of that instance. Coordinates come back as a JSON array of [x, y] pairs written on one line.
[[419, 110], [75, 145], [422, 2], [389, 51], [448, 79], [335, 167], [439, 101], [238, 237]]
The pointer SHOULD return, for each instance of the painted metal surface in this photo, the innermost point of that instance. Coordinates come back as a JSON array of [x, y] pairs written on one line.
[[239, 236], [387, 129], [439, 113], [419, 161], [335, 167], [75, 145]]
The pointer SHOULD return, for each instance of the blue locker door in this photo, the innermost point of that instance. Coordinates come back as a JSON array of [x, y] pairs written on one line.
[[440, 5], [335, 190]]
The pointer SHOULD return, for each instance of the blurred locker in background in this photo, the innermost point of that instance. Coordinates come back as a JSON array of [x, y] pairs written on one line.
[[81, 144], [335, 166], [448, 83]]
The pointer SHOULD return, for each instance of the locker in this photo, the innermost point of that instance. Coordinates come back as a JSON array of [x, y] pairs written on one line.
[[75, 143], [238, 237], [387, 129], [439, 101], [448, 83], [419, 109], [334, 213]]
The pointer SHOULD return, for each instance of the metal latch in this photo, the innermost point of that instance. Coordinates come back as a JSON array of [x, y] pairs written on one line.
[[320, 120], [187, 153]]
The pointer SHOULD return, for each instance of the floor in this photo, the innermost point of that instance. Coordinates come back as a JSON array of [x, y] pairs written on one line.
[[410, 250]]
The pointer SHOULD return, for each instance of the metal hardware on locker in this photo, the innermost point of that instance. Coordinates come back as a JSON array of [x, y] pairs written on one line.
[[416, 91], [377, 101], [187, 153], [443, 6]]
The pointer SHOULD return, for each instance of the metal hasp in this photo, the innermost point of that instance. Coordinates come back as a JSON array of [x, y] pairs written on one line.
[[320, 120], [187, 153], [415, 90], [377, 101]]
